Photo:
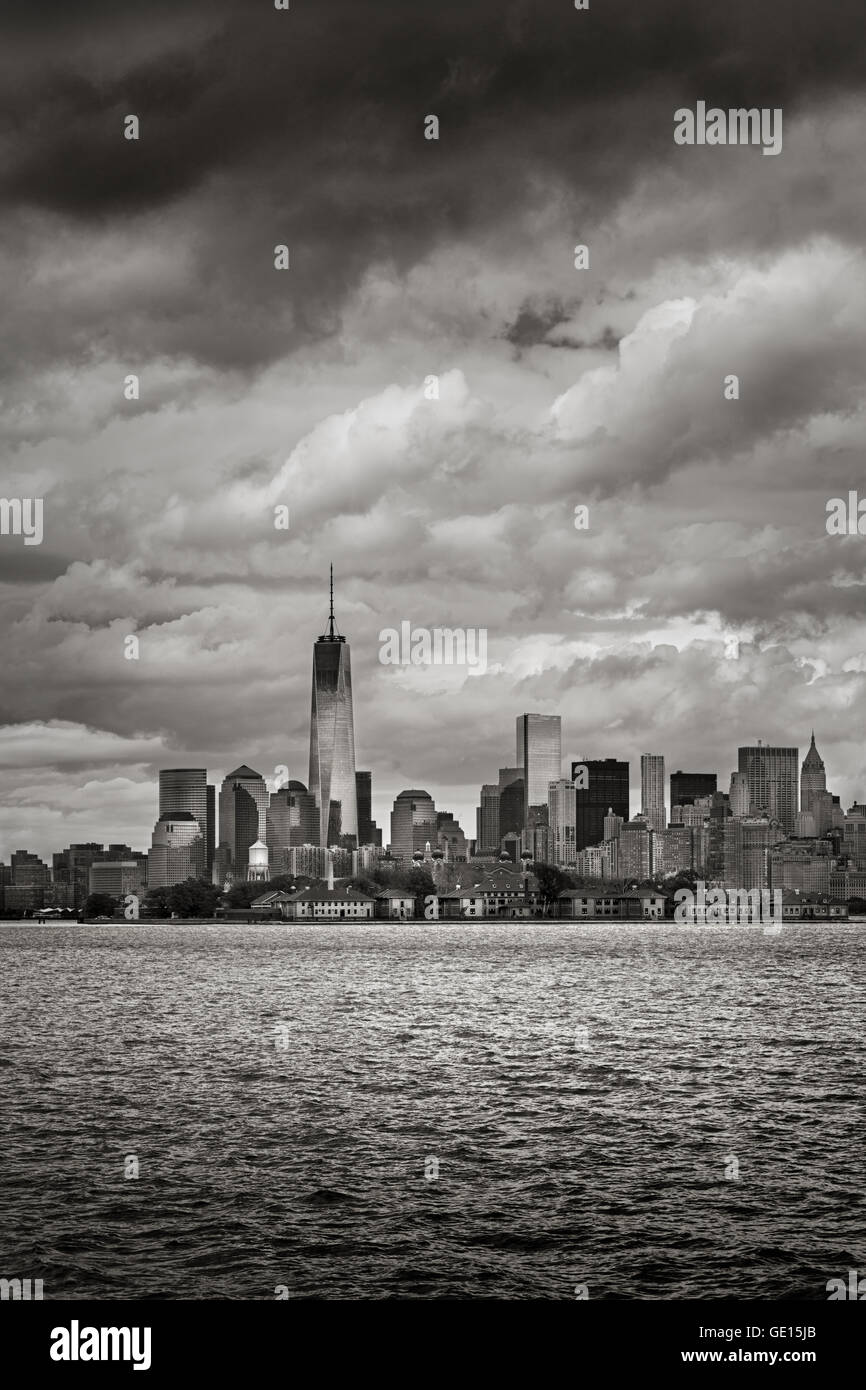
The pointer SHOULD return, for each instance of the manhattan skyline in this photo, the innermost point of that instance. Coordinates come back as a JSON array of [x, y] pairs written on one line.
[[703, 606]]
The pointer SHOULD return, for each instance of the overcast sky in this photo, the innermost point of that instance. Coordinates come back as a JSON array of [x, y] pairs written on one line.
[[704, 607]]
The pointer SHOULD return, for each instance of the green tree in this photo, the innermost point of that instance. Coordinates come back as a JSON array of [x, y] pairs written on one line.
[[245, 894], [551, 882], [156, 903], [419, 883], [100, 905], [195, 897]]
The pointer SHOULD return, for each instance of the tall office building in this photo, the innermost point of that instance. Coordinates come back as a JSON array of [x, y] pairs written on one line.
[[487, 820], [686, 787], [562, 822], [243, 817], [772, 777], [28, 870], [72, 869], [332, 737], [607, 790], [813, 777], [539, 754], [635, 849], [512, 817], [368, 831], [413, 824], [186, 789], [118, 877], [177, 850], [652, 789], [747, 843], [740, 797]]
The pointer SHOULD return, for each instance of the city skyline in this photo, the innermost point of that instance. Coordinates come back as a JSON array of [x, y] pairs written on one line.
[[203, 788], [541, 731], [429, 397]]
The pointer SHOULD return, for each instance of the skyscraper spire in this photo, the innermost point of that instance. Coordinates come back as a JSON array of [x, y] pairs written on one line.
[[331, 618]]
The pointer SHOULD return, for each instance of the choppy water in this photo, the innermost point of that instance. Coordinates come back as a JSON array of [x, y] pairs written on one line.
[[583, 1090]]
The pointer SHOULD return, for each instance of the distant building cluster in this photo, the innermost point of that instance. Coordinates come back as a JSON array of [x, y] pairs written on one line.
[[777, 827]]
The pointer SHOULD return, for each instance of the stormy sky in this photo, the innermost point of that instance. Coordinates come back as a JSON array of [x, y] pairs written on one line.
[[704, 607]]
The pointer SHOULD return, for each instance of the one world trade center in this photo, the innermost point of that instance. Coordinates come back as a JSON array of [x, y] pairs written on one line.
[[332, 737]]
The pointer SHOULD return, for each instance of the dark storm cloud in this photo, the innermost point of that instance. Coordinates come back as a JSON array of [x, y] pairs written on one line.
[[306, 126]]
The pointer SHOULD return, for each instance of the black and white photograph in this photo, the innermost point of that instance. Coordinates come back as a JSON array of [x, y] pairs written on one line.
[[433, 681]]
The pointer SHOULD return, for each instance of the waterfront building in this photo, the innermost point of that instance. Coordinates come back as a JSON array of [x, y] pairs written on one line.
[[395, 904], [638, 905]]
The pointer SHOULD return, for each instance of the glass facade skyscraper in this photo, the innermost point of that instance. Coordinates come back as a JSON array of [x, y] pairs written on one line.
[[186, 789], [606, 790], [539, 754], [243, 816], [332, 737], [686, 786]]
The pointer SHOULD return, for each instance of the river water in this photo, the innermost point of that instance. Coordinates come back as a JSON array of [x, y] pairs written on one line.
[[432, 1110]]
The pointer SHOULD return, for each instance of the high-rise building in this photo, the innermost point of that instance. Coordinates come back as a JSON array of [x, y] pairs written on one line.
[[450, 838], [186, 789], [28, 870], [612, 824], [652, 789], [687, 786], [72, 869], [539, 754], [813, 777], [177, 850], [413, 824], [243, 816], [718, 814], [507, 775], [674, 850], [772, 776], [606, 790], [562, 821], [487, 820], [635, 849], [332, 737], [368, 831], [512, 817], [747, 844], [740, 796], [118, 877]]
